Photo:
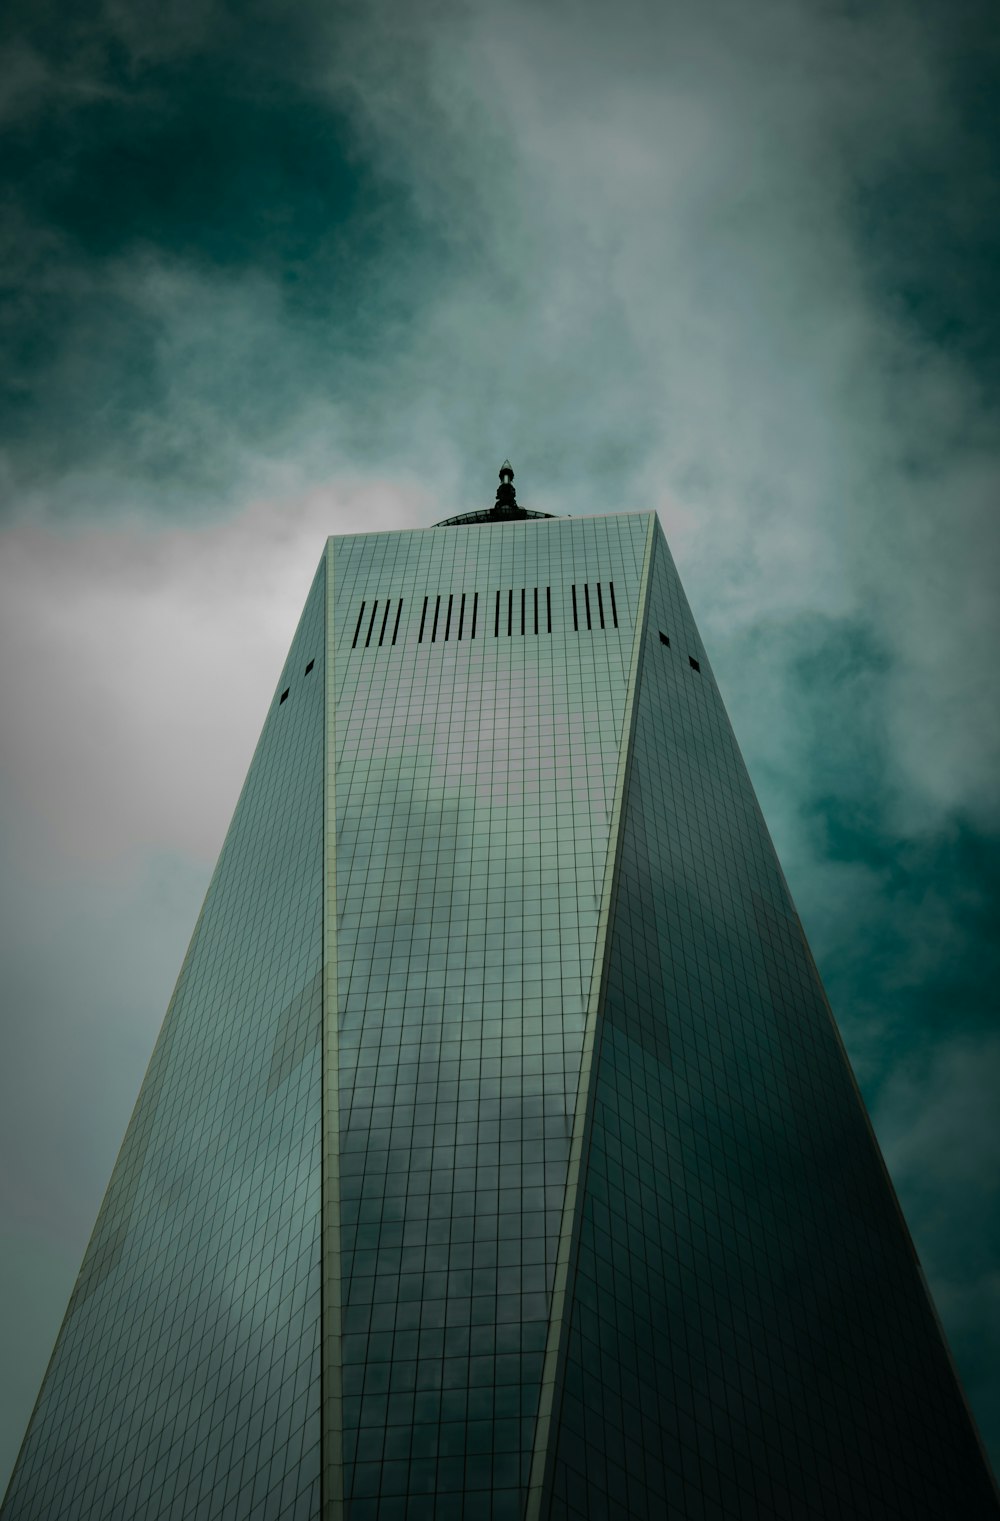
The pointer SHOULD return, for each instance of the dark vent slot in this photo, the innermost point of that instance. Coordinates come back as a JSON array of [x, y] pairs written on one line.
[[600, 604], [395, 626], [576, 621], [664, 639], [437, 609], [371, 624], [522, 611], [586, 599], [310, 666], [475, 613], [358, 629], [536, 609], [385, 620], [693, 663], [496, 620], [423, 620], [283, 696], [510, 611], [461, 615], [548, 609], [614, 610]]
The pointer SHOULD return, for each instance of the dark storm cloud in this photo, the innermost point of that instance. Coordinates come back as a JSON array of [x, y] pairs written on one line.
[[191, 241], [738, 263]]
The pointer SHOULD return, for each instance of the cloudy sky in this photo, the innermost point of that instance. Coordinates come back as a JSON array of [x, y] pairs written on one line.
[[273, 272]]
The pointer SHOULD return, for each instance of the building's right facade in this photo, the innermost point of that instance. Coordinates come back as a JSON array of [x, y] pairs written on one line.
[[499, 1156], [747, 1331]]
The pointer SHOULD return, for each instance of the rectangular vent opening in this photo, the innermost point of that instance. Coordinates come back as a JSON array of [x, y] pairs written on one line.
[[461, 616], [437, 609], [614, 609], [310, 666], [385, 620], [395, 626], [423, 620], [693, 663], [664, 639], [358, 628], [496, 620], [586, 599], [600, 604], [548, 609], [522, 610], [475, 610], [536, 609], [283, 696], [510, 611], [576, 621], [371, 623]]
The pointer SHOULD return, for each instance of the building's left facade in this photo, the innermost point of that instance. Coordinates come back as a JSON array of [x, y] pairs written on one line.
[[186, 1376]]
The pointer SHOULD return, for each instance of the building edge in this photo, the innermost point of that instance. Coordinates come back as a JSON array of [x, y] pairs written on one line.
[[158, 1045], [543, 1453], [859, 1097], [331, 1378]]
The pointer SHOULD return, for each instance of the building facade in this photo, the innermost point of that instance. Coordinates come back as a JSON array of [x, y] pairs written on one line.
[[499, 1156]]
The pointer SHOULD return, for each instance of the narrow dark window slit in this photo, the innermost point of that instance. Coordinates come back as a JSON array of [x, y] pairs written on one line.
[[536, 609], [522, 610], [447, 621], [423, 620], [496, 620], [586, 599], [475, 611], [371, 624], [693, 663], [310, 666], [614, 609], [548, 609], [395, 626], [664, 639], [461, 616], [358, 629], [385, 620], [576, 621], [437, 609], [600, 604], [510, 611], [283, 696]]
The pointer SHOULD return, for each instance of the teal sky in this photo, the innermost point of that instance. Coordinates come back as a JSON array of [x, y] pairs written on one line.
[[274, 272]]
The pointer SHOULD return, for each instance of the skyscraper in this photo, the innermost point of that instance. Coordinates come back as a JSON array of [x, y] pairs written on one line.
[[498, 1155]]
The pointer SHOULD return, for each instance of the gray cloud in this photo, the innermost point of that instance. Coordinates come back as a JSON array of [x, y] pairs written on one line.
[[714, 261]]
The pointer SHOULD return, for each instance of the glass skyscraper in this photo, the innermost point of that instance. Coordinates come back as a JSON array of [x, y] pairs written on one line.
[[499, 1156]]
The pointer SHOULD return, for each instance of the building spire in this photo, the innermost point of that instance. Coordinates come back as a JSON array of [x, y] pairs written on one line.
[[506, 500]]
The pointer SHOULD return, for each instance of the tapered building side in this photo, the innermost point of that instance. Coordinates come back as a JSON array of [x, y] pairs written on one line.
[[499, 1155]]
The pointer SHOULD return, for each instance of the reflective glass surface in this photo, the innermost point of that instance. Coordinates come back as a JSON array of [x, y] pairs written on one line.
[[749, 1334], [612, 1236], [476, 764], [185, 1381]]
